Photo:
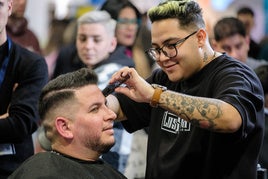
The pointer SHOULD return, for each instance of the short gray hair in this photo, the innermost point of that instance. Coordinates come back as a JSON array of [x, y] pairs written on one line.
[[99, 17]]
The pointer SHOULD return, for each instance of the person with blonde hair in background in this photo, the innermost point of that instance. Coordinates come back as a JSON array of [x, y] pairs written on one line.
[[127, 30]]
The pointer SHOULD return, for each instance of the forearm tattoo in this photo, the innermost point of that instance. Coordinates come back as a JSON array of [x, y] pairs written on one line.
[[201, 112]]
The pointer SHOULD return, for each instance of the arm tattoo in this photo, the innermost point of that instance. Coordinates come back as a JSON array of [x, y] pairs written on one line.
[[201, 112]]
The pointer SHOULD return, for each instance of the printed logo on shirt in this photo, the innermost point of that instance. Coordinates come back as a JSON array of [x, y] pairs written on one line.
[[7, 149], [174, 124]]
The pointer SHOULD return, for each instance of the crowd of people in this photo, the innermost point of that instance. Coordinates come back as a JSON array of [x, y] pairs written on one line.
[[202, 101]]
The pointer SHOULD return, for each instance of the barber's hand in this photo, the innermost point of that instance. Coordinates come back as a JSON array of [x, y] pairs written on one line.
[[136, 87], [3, 116]]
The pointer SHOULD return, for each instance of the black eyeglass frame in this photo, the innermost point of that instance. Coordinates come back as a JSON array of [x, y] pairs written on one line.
[[152, 51]]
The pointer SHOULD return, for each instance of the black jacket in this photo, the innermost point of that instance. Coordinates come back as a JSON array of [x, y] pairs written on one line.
[[29, 71], [68, 60]]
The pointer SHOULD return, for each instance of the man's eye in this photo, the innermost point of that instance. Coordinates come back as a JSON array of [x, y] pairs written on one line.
[[226, 49], [238, 46], [170, 46], [82, 39], [95, 109], [157, 50], [97, 40]]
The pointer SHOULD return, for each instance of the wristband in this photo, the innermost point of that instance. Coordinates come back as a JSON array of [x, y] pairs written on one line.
[[157, 93]]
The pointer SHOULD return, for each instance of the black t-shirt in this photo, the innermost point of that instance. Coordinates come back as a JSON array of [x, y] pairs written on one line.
[[177, 149], [264, 154], [52, 165]]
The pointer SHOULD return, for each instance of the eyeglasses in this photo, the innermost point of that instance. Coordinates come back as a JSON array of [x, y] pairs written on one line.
[[169, 50], [125, 21]]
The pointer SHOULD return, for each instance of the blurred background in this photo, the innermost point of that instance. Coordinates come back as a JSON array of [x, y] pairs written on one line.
[[41, 13], [52, 23]]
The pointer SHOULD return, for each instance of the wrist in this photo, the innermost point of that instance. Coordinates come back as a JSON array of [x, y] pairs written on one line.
[[158, 90]]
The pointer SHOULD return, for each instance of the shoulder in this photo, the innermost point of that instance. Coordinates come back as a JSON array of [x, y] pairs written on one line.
[[158, 76], [23, 55], [32, 166], [108, 68], [31, 34], [255, 63], [225, 64], [27, 63], [20, 52], [119, 56], [105, 72], [67, 54], [70, 49], [47, 165], [231, 69]]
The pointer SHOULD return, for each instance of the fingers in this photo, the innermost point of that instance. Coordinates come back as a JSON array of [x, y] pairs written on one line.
[[4, 116], [15, 86], [122, 74]]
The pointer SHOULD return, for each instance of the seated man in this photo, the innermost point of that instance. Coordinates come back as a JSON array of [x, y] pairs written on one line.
[[96, 48], [80, 127], [230, 36]]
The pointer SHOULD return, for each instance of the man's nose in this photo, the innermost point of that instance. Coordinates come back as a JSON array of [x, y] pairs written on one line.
[[109, 114], [234, 54]]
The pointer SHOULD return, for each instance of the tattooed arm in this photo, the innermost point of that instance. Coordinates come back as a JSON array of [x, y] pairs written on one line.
[[207, 113]]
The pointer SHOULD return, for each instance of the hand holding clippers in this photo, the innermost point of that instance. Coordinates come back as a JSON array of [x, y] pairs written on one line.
[[111, 87]]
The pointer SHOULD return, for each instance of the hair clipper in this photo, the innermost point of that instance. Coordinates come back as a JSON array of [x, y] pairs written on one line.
[[111, 87]]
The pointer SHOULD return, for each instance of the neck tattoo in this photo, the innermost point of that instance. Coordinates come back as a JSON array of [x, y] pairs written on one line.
[[214, 55], [205, 59]]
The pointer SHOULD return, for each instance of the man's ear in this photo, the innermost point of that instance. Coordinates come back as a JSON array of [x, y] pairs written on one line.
[[214, 44], [113, 44], [202, 37], [62, 126], [247, 39], [10, 5]]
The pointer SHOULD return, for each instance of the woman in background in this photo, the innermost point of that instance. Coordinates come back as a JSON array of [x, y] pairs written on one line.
[[128, 23]]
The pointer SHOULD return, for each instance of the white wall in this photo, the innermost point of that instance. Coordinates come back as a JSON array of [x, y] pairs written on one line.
[[37, 13], [38, 19]]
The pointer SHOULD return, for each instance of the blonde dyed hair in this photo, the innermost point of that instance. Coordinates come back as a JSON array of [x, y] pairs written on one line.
[[188, 13]]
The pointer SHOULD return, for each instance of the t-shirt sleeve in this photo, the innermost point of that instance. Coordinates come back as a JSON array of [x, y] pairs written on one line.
[[138, 114], [242, 90]]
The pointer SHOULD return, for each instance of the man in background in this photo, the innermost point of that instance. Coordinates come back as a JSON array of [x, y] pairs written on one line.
[[246, 16], [230, 36], [17, 28], [22, 76]]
